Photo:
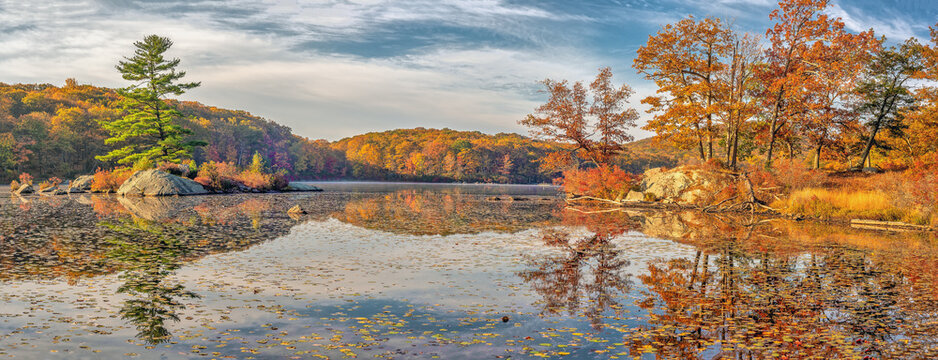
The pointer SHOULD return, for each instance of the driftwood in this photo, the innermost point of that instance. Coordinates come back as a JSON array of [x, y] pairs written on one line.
[[887, 225]]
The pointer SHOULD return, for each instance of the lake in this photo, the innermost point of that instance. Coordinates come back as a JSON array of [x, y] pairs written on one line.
[[452, 272]]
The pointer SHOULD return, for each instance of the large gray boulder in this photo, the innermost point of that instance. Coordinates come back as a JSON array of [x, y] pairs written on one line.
[[294, 186], [683, 185], [158, 183], [81, 184]]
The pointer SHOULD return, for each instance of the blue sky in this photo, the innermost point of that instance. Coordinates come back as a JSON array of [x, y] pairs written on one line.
[[335, 68]]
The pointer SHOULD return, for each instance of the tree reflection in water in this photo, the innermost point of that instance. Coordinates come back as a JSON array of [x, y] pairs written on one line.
[[149, 255], [746, 297], [589, 270]]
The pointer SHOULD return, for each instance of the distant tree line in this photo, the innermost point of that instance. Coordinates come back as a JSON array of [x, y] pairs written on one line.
[[56, 131]]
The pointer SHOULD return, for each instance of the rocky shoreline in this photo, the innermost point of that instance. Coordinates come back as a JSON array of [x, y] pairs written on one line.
[[150, 183]]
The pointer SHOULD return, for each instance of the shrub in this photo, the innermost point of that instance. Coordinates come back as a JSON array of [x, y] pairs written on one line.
[[278, 181], [175, 169], [51, 183], [110, 181], [605, 182], [218, 176], [794, 175], [14, 185], [26, 179], [261, 181], [254, 180], [193, 168]]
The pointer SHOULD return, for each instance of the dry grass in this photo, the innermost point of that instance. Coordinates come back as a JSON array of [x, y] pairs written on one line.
[[844, 203]]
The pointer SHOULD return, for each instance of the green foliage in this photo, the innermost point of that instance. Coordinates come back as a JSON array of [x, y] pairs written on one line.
[[147, 129], [885, 92]]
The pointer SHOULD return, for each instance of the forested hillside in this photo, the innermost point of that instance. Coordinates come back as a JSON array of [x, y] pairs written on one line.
[[55, 131]]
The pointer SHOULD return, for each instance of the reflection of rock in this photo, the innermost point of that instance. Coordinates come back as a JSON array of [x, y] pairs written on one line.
[[506, 198], [24, 189], [665, 225], [683, 184], [81, 184], [159, 183], [84, 200], [294, 186], [151, 208]]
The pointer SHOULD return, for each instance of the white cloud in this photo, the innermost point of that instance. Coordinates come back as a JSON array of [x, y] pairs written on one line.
[[319, 95], [896, 27]]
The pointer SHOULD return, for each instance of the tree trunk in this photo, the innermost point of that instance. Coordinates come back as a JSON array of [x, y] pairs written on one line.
[[817, 157], [700, 146], [735, 154], [869, 144], [768, 156], [709, 136]]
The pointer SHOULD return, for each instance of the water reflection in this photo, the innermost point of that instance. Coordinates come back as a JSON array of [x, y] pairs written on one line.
[[762, 289], [446, 212], [417, 272], [589, 271], [149, 256]]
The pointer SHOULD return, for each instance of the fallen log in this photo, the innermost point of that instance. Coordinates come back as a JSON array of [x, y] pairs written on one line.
[[887, 225]]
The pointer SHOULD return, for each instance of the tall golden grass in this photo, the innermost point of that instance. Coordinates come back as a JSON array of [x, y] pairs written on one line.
[[846, 203]]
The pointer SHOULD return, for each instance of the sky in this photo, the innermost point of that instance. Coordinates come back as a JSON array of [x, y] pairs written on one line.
[[335, 68]]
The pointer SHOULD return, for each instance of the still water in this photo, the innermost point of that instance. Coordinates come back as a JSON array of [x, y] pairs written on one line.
[[447, 271]]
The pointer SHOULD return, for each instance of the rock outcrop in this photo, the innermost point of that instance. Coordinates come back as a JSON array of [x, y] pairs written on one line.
[[81, 184], [52, 191], [24, 189], [683, 185], [634, 196], [159, 183]]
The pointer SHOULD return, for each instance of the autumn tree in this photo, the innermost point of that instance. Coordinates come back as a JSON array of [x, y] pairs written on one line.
[[885, 91], [738, 103], [594, 120], [149, 131], [684, 60], [835, 72], [802, 30], [922, 121]]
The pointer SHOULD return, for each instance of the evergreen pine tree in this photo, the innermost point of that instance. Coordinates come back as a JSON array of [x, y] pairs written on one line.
[[148, 130]]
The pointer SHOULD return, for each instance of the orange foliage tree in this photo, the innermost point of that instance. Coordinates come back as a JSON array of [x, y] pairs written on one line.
[[683, 59], [798, 39], [835, 70], [922, 121], [593, 120]]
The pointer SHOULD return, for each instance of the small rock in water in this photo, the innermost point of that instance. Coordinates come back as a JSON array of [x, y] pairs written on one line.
[[505, 318], [296, 210]]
